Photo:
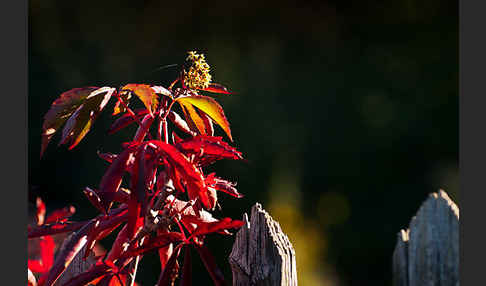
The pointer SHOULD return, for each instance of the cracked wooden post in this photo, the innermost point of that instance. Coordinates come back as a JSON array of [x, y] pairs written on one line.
[[428, 252], [262, 254]]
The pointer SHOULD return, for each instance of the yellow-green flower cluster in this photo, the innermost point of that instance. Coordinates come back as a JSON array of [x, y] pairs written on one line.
[[198, 76]]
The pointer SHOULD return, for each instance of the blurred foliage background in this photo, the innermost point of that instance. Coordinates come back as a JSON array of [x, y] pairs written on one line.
[[346, 110]]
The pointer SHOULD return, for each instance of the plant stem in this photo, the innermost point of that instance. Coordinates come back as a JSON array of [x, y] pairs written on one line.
[[166, 132], [163, 122], [160, 112], [168, 109], [133, 271]]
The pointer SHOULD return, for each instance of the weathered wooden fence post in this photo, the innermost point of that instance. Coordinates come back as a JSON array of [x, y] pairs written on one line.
[[262, 254], [428, 252]]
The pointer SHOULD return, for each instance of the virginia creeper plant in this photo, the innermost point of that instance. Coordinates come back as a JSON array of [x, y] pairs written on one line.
[[166, 204]]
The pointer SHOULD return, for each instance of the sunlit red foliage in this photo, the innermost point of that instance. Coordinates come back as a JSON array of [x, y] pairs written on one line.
[[165, 206]]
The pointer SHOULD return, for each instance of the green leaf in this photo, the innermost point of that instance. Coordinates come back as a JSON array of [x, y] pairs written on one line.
[[81, 120], [61, 109]]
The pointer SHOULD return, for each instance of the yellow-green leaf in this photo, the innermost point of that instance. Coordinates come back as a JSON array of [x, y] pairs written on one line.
[[209, 106], [146, 94], [193, 118]]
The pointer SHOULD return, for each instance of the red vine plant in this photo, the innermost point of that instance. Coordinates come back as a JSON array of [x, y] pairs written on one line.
[[168, 202]]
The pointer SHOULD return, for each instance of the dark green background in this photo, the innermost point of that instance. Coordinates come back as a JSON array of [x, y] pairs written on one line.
[[358, 98]]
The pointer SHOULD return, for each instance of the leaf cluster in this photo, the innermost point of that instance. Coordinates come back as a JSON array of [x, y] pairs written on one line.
[[166, 204]]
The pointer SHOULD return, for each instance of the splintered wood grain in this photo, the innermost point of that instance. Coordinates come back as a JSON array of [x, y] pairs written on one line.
[[427, 253], [262, 254]]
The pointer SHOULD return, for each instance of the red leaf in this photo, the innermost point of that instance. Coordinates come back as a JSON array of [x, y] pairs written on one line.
[[144, 128], [60, 215], [175, 139], [94, 199], [46, 245], [208, 123], [204, 228], [159, 241], [178, 160], [180, 123], [136, 217], [96, 236], [166, 251], [210, 264], [41, 211], [61, 109], [208, 149], [115, 217], [127, 119], [47, 251], [78, 125], [186, 279], [54, 228], [143, 171], [170, 272], [95, 272], [108, 157], [111, 181], [217, 88], [104, 280], [222, 185], [118, 245], [112, 280], [193, 178], [36, 266], [175, 176], [42, 280], [164, 255], [121, 196]]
